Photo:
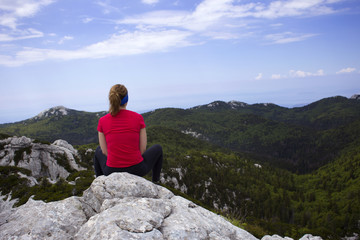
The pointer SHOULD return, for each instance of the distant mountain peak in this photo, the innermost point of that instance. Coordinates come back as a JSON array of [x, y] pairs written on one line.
[[54, 111], [233, 104], [355, 96], [236, 104]]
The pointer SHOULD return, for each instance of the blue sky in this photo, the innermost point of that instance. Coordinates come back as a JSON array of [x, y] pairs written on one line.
[[173, 53]]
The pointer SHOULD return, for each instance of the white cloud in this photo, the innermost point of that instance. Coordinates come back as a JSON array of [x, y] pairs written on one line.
[[128, 43], [13, 10], [276, 76], [214, 19], [277, 9], [149, 1], [205, 16], [276, 25], [259, 76], [346, 70], [302, 74], [298, 74], [217, 15], [87, 20], [158, 19], [107, 8], [223, 35], [287, 37], [17, 34], [65, 38], [211, 18]]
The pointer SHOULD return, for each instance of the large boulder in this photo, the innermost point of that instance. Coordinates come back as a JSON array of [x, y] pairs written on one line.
[[119, 206], [39, 220]]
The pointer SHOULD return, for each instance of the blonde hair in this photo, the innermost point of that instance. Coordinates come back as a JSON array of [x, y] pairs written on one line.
[[117, 92]]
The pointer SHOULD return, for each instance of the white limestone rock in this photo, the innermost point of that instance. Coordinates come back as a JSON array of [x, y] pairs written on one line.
[[40, 159], [139, 217], [189, 221], [6, 203], [39, 220], [275, 237], [355, 97], [310, 237], [119, 206]]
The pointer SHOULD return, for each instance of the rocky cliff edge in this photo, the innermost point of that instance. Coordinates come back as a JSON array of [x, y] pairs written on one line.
[[120, 206]]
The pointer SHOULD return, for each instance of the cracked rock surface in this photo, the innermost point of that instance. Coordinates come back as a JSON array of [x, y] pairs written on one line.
[[119, 206], [41, 159]]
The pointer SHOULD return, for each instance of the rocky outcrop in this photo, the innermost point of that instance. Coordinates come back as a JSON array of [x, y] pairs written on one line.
[[39, 220], [54, 111], [355, 97], [53, 161], [277, 237], [120, 206]]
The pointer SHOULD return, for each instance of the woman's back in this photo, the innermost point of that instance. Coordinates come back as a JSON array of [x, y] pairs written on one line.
[[122, 137]]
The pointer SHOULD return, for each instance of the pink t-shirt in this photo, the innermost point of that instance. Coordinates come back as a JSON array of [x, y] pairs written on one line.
[[122, 134]]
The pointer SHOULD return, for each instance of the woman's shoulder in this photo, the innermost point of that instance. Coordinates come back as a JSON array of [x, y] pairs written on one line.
[[134, 115], [106, 116], [123, 113]]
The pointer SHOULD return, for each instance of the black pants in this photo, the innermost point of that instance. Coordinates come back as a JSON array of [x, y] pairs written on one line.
[[153, 158]]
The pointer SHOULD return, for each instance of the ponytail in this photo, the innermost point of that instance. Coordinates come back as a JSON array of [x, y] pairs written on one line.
[[117, 92]]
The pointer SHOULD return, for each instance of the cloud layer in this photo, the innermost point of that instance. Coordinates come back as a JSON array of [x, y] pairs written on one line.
[[298, 74], [153, 31], [346, 70], [129, 43]]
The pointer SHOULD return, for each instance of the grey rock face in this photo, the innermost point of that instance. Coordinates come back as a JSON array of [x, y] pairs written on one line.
[[39, 220], [42, 160], [6, 203], [189, 221], [275, 237], [355, 96], [120, 206], [310, 237]]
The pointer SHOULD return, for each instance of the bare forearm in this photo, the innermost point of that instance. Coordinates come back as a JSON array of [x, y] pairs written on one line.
[[102, 142], [143, 140]]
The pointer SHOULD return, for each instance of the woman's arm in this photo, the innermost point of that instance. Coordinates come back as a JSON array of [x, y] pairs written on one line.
[[143, 140], [102, 142]]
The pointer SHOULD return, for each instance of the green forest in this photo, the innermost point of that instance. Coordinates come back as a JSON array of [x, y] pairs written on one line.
[[268, 169]]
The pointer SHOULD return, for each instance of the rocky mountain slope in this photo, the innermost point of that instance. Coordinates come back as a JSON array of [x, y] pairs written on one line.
[[48, 171], [76, 127], [120, 206], [52, 161]]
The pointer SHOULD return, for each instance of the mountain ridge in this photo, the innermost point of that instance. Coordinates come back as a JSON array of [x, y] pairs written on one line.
[[298, 138], [233, 104]]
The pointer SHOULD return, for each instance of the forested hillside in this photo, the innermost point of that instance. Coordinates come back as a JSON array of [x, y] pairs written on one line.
[[76, 127], [265, 199], [270, 169], [297, 139]]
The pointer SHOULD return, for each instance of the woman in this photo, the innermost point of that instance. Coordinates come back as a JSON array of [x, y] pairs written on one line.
[[122, 138]]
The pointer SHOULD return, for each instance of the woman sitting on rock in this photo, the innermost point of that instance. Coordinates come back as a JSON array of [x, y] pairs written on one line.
[[123, 140]]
